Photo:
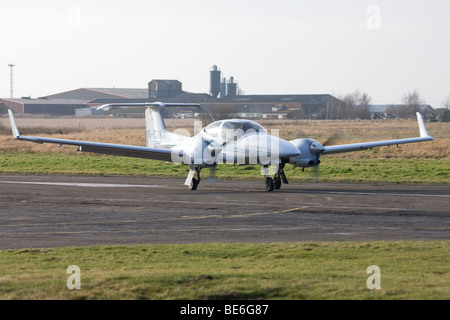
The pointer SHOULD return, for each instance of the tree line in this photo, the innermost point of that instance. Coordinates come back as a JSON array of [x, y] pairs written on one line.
[[356, 105]]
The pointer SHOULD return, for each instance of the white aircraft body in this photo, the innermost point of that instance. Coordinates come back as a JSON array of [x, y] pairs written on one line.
[[234, 141]]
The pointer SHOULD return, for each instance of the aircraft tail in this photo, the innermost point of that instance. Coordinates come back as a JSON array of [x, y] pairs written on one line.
[[156, 132], [155, 127]]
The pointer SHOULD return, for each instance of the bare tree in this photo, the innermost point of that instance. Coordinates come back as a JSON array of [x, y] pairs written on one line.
[[445, 116], [411, 102], [345, 111], [220, 113], [363, 109], [446, 103], [356, 106]]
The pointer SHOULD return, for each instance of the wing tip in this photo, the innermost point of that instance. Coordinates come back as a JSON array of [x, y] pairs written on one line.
[[15, 130], [423, 130]]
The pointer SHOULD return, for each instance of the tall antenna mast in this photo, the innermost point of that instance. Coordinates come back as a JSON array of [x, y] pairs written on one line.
[[12, 87]]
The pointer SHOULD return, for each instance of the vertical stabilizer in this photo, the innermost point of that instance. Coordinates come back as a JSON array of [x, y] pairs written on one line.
[[157, 135], [155, 127]]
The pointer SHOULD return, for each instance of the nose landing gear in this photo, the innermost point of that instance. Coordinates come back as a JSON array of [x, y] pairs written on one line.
[[279, 177]]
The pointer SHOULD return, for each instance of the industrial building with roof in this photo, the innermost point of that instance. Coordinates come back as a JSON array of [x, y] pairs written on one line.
[[223, 95], [65, 103]]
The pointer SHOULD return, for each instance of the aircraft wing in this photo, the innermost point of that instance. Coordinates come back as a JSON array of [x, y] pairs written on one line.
[[96, 147], [424, 136]]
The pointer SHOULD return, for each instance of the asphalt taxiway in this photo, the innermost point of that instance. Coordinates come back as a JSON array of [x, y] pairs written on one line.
[[54, 211]]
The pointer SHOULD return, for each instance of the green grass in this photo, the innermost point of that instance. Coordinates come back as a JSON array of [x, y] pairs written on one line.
[[337, 270], [370, 170], [316, 270]]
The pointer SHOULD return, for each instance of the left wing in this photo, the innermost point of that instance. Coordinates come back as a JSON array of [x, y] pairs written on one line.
[[96, 147], [424, 136]]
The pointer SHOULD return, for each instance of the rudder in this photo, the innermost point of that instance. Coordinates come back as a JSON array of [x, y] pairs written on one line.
[[155, 127]]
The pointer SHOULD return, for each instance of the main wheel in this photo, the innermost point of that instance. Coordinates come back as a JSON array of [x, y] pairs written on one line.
[[277, 183], [269, 184], [193, 185]]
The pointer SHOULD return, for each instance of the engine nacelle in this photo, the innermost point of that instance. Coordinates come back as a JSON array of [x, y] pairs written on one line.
[[310, 151]]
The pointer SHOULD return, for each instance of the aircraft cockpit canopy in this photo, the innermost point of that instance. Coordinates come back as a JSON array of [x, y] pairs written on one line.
[[232, 130]]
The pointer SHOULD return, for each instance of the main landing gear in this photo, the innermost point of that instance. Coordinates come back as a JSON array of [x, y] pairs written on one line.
[[271, 183], [275, 182], [192, 182]]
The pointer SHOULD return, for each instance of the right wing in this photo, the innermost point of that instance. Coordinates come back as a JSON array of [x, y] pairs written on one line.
[[96, 147], [424, 136]]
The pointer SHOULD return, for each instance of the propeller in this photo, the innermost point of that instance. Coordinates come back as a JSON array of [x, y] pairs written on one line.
[[315, 174], [310, 151], [213, 173], [316, 149], [213, 151], [331, 139]]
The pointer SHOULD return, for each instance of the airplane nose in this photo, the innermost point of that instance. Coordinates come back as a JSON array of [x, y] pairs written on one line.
[[277, 148], [287, 149], [316, 148], [264, 148]]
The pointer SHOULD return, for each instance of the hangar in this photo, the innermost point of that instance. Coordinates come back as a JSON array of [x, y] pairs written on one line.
[[65, 103], [309, 106], [41, 106]]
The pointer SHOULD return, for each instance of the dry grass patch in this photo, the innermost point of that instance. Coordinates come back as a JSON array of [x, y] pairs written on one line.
[[327, 132]]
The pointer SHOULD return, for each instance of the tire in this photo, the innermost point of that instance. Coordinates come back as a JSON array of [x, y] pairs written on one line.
[[269, 184], [277, 183], [193, 185]]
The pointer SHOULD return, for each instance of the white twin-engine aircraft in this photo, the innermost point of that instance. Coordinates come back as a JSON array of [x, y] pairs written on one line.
[[233, 141]]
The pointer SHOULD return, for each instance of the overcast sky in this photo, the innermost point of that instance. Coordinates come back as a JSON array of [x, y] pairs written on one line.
[[383, 48]]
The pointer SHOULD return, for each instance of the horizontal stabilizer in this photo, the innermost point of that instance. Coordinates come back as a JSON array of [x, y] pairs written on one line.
[[158, 105]]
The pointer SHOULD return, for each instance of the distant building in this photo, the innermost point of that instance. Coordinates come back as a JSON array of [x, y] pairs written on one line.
[[309, 106], [88, 94], [164, 89], [42, 106], [380, 110], [65, 103], [87, 112]]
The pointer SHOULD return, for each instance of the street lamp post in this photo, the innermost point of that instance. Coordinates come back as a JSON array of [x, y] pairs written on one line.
[[12, 88]]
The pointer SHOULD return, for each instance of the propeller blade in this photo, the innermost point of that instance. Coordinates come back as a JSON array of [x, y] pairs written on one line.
[[213, 173], [331, 139], [315, 174]]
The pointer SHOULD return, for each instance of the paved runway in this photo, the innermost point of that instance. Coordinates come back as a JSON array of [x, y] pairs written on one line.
[[53, 211]]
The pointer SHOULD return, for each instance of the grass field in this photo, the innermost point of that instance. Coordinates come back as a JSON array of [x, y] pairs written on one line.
[[412, 171], [427, 163], [132, 131], [319, 270]]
